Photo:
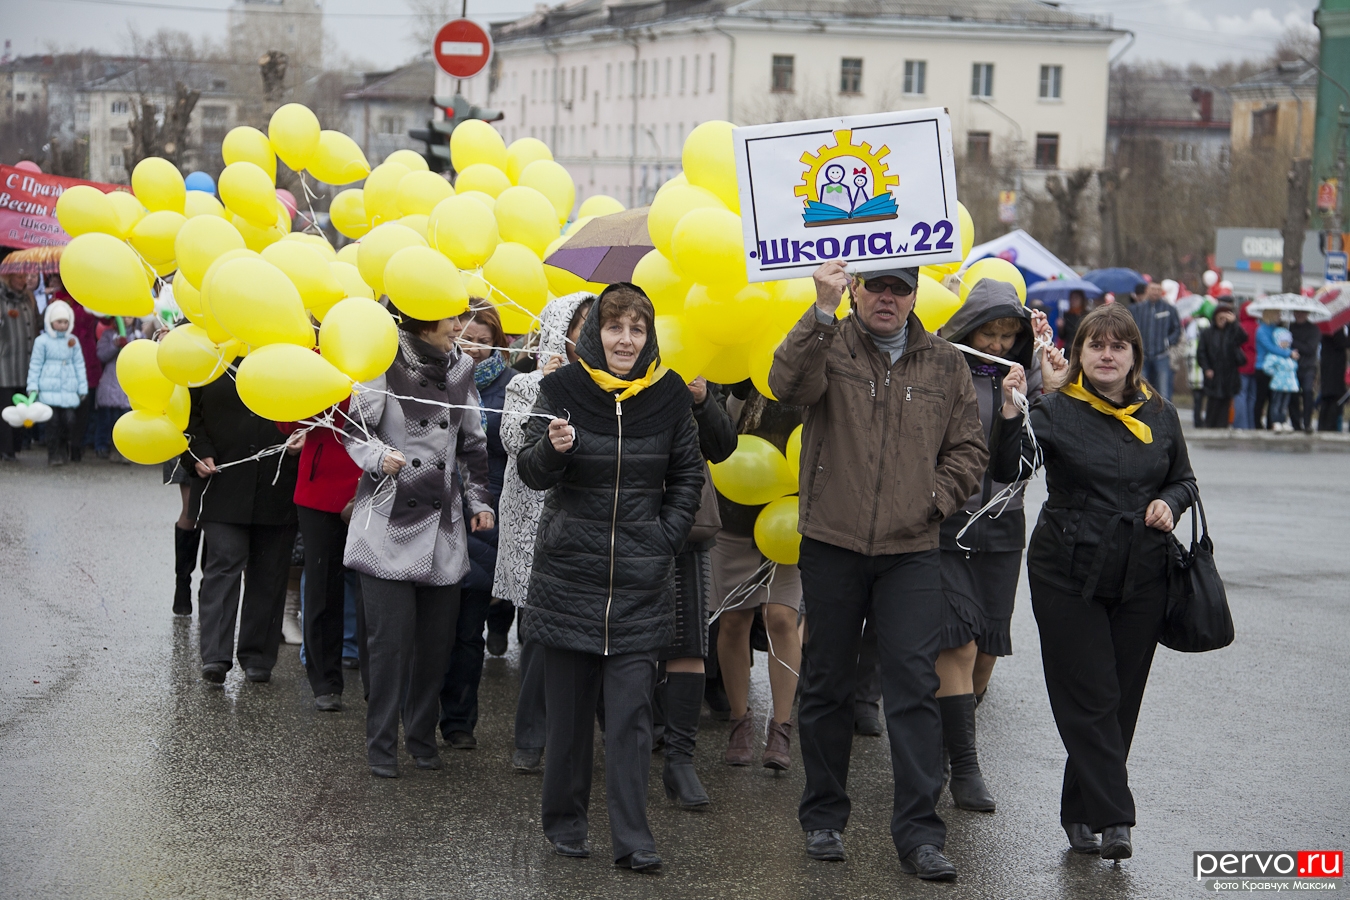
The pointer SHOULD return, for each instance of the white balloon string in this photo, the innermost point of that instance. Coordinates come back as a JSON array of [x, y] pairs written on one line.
[[311, 221], [762, 577]]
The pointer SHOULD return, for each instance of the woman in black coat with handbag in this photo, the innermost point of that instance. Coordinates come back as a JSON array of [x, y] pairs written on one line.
[[1220, 357], [1118, 476], [620, 461]]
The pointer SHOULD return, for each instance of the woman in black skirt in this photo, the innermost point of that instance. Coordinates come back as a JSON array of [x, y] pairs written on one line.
[[982, 549], [681, 691], [1118, 476]]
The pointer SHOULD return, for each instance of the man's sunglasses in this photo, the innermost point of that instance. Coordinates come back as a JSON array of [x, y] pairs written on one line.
[[876, 286]]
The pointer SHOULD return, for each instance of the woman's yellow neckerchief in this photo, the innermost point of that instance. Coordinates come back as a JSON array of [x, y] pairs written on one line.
[[1125, 414], [610, 383]]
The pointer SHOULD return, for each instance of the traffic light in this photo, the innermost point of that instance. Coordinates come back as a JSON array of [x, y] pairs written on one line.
[[437, 134]]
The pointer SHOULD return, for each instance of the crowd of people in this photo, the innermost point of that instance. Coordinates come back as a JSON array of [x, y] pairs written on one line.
[[561, 480]]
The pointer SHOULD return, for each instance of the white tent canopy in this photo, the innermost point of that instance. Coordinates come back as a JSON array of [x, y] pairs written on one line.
[[1025, 252]]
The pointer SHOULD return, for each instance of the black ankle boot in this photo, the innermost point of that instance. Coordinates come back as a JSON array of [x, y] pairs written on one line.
[[184, 561], [684, 703], [958, 733]]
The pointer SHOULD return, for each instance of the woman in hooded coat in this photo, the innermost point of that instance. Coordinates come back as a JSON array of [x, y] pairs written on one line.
[[521, 506], [980, 567], [615, 446]]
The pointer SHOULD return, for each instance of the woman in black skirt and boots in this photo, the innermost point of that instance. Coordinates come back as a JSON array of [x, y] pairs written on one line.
[[980, 566], [681, 692], [1118, 477]]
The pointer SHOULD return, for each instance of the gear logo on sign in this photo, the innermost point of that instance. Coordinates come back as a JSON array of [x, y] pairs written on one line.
[[847, 183]]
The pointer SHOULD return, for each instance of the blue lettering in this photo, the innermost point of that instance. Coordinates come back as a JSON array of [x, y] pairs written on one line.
[[828, 248], [776, 252], [879, 243], [802, 249], [860, 240]]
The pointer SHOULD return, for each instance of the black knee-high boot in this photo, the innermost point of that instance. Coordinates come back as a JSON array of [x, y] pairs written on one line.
[[185, 542], [684, 703], [958, 733]]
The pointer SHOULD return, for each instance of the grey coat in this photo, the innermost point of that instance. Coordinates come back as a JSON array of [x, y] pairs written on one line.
[[410, 526], [19, 324]]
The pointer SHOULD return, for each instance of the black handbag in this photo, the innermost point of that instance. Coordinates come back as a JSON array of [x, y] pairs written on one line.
[[1198, 618]]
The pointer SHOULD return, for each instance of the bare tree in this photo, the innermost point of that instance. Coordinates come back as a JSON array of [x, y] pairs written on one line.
[[1067, 194], [1298, 42], [163, 102], [428, 17]]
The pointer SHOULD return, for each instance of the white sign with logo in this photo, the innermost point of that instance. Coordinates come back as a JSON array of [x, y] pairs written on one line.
[[877, 191]]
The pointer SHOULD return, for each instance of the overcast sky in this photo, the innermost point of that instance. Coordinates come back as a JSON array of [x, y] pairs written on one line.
[[378, 33]]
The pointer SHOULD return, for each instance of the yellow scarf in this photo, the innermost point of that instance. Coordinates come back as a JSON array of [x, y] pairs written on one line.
[[1124, 414], [611, 383]]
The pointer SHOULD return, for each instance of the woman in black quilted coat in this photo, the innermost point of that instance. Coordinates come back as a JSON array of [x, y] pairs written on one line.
[[621, 465]]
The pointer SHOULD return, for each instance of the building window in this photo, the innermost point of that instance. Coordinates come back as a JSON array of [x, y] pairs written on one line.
[[19, 98], [712, 71], [698, 66], [683, 68], [215, 115], [1265, 122], [391, 124], [850, 76], [916, 76], [116, 161], [782, 74], [977, 147], [1050, 80], [119, 136], [669, 63], [982, 80], [120, 107], [643, 91], [633, 78], [1047, 151], [609, 78], [1183, 153]]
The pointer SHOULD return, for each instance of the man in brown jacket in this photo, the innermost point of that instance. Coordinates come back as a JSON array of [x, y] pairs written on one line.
[[891, 445]]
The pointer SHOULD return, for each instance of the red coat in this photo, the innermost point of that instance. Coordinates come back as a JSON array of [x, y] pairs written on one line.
[[85, 327], [327, 477], [1249, 326]]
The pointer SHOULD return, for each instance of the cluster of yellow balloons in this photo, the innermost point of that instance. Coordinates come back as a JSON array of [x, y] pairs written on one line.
[[758, 474], [430, 245]]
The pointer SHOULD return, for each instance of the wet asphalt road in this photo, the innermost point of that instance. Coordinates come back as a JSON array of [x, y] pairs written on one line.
[[123, 775]]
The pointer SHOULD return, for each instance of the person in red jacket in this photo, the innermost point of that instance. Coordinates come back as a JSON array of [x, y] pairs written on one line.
[[324, 489], [1244, 404]]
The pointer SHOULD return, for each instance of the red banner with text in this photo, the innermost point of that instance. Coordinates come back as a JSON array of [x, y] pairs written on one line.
[[28, 207]]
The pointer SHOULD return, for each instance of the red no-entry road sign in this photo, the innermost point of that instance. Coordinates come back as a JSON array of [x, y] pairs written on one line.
[[462, 48]]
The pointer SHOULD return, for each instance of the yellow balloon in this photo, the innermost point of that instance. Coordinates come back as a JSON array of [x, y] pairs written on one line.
[[158, 184], [153, 237], [417, 222], [482, 177], [180, 407], [424, 284], [664, 286], [247, 192], [410, 159], [678, 181], [359, 337], [349, 253], [129, 211], [348, 214], [247, 144], [419, 192], [934, 304], [475, 142], [760, 359], [294, 134], [725, 317], [338, 159], [188, 356], [776, 533], [794, 449], [599, 205], [682, 349], [350, 278], [997, 269], [526, 216], [376, 249], [729, 365], [255, 238], [308, 270], [521, 153], [516, 321], [710, 161], [709, 247], [287, 383], [105, 274], [554, 182], [486, 199], [464, 230], [204, 297], [148, 438], [313, 240], [515, 270], [967, 229], [256, 302], [381, 191], [139, 376], [200, 241], [670, 206], [82, 208], [200, 203], [755, 474]]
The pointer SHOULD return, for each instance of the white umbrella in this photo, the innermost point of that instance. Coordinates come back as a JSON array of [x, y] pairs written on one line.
[[1316, 311]]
